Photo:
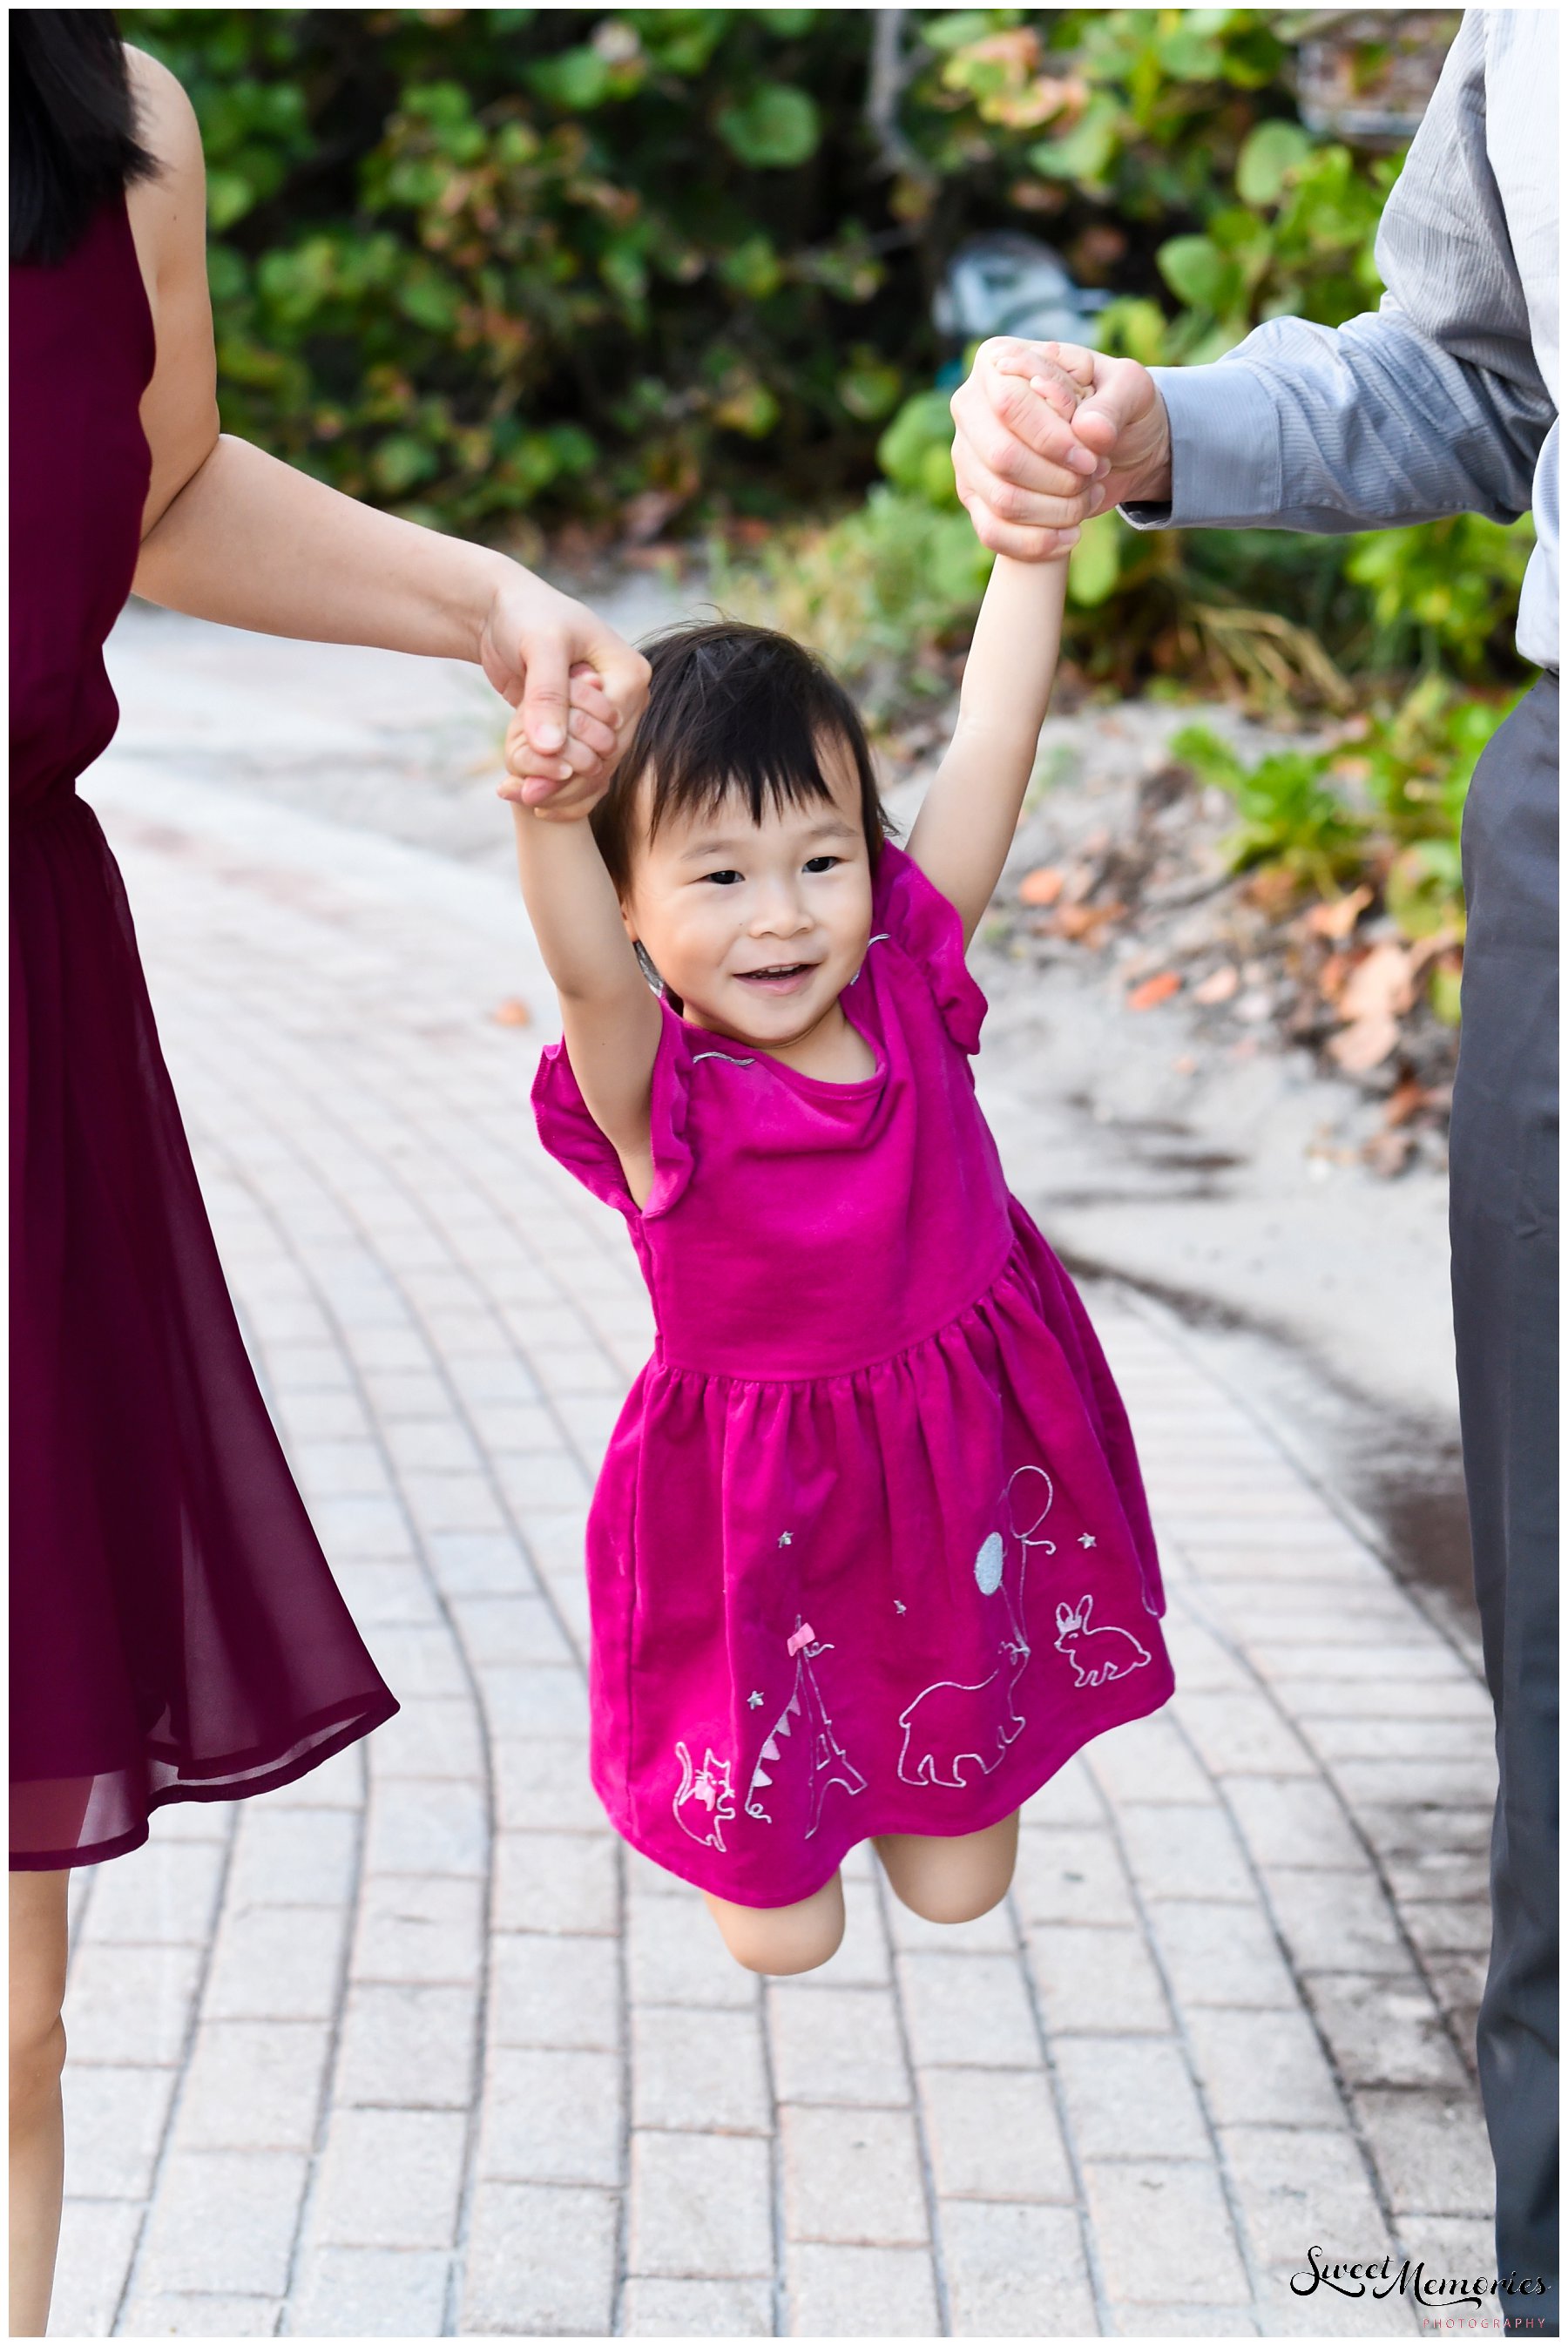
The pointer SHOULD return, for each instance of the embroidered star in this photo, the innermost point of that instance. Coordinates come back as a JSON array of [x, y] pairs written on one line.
[[1086, 1539], [898, 1607], [754, 1701], [786, 1539]]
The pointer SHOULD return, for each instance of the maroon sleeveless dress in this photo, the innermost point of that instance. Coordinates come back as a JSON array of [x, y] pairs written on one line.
[[176, 1634]]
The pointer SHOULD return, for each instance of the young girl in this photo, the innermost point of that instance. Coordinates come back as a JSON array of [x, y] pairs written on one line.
[[869, 1556]]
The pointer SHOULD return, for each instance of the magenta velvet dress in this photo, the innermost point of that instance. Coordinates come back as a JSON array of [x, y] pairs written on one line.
[[175, 1632], [870, 1551]]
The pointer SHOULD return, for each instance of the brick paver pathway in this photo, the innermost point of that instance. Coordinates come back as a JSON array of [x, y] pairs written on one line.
[[414, 2047]]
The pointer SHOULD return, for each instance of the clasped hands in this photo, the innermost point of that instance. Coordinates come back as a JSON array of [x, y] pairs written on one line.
[[1032, 469], [575, 689]]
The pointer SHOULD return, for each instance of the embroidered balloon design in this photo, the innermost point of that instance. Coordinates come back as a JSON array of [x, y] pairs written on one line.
[[988, 1565], [952, 1725]]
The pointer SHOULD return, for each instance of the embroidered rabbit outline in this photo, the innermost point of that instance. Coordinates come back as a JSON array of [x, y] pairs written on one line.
[[1107, 1661]]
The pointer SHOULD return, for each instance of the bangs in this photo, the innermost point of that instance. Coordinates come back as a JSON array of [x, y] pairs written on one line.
[[750, 741], [733, 711]]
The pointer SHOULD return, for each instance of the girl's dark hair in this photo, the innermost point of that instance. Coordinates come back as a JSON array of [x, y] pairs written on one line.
[[732, 708], [73, 126]]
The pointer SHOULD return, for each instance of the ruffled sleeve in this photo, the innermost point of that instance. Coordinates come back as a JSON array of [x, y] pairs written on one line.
[[917, 916], [570, 1134]]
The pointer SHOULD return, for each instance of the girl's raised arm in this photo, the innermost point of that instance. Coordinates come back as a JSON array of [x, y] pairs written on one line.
[[965, 826], [609, 1016]]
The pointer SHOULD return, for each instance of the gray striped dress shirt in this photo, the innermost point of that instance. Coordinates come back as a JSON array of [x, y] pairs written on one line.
[[1444, 399]]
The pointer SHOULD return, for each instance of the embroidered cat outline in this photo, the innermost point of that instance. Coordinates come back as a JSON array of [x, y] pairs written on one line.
[[705, 1802]]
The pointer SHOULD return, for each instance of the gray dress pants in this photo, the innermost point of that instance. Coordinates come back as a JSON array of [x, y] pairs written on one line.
[[1503, 1227]]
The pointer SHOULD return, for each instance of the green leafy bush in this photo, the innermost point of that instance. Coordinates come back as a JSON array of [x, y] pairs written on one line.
[[1383, 806], [441, 235], [1291, 818], [882, 593], [657, 268]]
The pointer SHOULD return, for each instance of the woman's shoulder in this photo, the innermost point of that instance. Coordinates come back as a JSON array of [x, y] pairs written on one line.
[[165, 117], [167, 209]]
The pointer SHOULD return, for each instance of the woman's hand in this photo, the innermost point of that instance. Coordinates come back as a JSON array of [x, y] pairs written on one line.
[[577, 687], [565, 788], [1025, 473]]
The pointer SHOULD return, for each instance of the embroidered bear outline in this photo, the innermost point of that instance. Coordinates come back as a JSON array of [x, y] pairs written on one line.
[[941, 1724]]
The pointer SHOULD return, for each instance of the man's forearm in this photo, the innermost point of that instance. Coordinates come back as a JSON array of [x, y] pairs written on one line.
[[1362, 427], [1433, 404]]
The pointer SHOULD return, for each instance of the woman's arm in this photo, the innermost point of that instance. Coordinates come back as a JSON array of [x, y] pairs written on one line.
[[609, 1016], [965, 825], [232, 534]]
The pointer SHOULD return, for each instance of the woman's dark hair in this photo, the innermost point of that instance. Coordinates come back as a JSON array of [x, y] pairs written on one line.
[[73, 126], [732, 708]]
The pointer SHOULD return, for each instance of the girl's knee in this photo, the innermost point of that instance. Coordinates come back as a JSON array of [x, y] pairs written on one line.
[[951, 1898], [955, 1880], [780, 1941]]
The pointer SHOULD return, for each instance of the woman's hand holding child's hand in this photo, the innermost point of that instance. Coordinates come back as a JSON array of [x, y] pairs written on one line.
[[575, 688], [535, 778]]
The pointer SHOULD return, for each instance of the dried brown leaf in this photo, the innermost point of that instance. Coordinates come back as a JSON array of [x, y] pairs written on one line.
[[1043, 885]]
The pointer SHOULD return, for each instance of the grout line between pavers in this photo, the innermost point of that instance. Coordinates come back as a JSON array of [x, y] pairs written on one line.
[[1325, 1773], [1346, 2099], [938, 2251], [326, 2103], [1273, 1427], [778, 2294], [624, 2202], [1218, 2158], [1043, 2036]]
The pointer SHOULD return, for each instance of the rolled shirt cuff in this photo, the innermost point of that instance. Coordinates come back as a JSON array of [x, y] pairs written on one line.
[[1227, 471]]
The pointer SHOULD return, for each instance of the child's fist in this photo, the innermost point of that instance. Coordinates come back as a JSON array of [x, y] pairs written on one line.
[[564, 785], [1064, 373]]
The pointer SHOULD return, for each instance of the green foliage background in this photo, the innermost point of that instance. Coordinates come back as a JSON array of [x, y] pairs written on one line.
[[658, 267]]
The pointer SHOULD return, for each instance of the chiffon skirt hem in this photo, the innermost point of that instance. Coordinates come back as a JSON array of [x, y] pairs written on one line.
[[176, 1633], [237, 1778]]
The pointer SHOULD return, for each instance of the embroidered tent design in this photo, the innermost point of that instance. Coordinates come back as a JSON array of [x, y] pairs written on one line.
[[805, 1715], [950, 1724]]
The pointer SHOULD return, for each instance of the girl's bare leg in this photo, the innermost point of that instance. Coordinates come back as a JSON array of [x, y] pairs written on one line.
[[951, 1878], [38, 2057], [783, 1939]]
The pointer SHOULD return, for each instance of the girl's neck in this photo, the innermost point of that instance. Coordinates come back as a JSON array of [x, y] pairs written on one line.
[[833, 1050]]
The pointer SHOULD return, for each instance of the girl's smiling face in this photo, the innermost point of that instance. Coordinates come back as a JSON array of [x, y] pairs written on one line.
[[758, 926]]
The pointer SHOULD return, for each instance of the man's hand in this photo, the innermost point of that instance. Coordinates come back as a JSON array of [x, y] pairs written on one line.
[[1028, 475], [577, 687]]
